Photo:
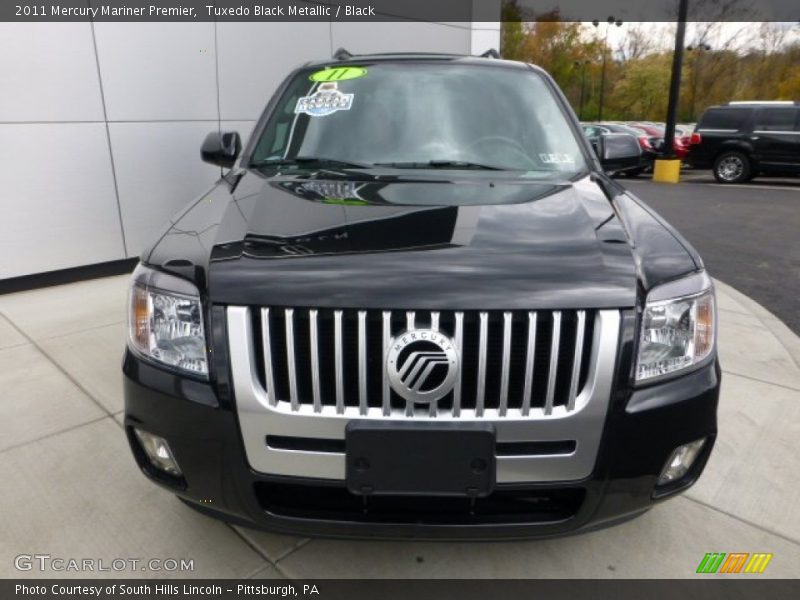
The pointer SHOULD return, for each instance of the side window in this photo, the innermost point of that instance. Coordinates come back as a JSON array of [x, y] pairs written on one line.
[[732, 119], [776, 119]]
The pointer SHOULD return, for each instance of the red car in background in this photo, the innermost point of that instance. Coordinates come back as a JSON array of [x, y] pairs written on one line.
[[680, 144], [683, 140]]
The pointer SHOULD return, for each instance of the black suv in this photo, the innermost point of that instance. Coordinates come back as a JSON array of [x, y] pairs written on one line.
[[415, 305], [743, 139]]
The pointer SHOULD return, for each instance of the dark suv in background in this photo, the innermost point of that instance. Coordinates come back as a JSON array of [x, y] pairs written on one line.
[[743, 139]]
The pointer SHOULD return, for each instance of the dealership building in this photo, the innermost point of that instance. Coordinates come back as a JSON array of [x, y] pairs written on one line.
[[102, 122]]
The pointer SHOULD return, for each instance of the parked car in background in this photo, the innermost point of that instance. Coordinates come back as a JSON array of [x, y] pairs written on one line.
[[655, 132], [682, 141], [740, 140], [594, 130]]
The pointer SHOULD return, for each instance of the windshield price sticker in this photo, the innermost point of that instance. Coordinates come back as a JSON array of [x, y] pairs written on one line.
[[338, 74], [556, 158], [325, 101]]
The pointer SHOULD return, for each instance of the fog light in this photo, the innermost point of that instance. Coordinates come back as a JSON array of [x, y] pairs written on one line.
[[158, 452], [680, 461]]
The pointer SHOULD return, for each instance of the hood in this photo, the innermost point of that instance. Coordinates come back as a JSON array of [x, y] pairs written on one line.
[[432, 244]]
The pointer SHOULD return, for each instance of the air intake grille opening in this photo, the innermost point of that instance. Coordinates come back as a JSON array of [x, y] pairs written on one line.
[[335, 503]]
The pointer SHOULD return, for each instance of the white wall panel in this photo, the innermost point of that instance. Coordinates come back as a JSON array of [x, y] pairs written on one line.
[[367, 37], [158, 171], [58, 208], [485, 36], [255, 57], [158, 71], [159, 80], [48, 73]]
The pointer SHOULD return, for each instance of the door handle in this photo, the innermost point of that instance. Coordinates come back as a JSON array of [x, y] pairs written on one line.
[[754, 137]]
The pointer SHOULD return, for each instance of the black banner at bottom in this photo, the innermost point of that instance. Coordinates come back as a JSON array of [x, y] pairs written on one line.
[[407, 589]]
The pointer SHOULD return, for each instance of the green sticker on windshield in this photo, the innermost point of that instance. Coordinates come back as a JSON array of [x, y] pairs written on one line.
[[338, 74]]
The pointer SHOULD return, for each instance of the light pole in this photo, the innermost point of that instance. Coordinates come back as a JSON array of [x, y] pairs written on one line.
[[668, 168], [582, 65], [609, 22], [698, 50]]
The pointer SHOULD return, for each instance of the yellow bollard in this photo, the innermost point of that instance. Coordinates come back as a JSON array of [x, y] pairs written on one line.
[[667, 170]]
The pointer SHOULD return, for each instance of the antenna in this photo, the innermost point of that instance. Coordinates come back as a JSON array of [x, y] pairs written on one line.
[[491, 53], [342, 54]]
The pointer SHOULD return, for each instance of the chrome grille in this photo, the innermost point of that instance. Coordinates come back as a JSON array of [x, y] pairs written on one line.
[[513, 363]]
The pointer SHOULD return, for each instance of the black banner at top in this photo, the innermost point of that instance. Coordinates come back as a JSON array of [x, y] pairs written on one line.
[[394, 10]]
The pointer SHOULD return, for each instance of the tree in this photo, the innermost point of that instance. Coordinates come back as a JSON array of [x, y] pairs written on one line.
[[512, 33], [727, 61], [642, 89]]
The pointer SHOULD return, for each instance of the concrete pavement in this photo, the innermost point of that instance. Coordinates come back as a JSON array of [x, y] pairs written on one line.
[[72, 490], [746, 234]]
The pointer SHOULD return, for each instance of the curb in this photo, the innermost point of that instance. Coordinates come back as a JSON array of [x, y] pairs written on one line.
[[787, 338]]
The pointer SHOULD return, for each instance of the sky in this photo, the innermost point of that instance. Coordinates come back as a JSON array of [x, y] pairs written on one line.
[[741, 35]]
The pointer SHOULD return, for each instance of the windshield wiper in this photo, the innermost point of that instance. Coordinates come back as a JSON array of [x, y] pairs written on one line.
[[310, 161], [440, 164]]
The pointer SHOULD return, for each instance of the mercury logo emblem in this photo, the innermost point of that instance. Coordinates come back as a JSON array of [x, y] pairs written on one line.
[[422, 365]]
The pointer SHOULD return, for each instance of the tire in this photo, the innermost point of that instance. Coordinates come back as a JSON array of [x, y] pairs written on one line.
[[733, 167]]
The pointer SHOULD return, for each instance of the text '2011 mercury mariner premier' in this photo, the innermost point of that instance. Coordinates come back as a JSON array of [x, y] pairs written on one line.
[[415, 305]]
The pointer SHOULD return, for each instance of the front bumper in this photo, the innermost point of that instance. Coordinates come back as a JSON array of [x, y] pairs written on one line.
[[199, 420]]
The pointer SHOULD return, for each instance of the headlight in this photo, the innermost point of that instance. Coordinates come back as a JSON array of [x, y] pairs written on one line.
[[678, 327], [165, 321]]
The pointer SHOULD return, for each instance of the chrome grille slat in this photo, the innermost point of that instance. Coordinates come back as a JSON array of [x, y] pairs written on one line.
[[410, 324], [576, 361], [362, 361], [386, 338], [530, 357], [551, 375], [459, 339], [266, 342], [434, 327], [338, 360], [314, 333], [506, 365], [513, 364], [290, 363], [480, 395]]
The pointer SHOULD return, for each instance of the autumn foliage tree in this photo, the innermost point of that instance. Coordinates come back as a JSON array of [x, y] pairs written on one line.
[[765, 66]]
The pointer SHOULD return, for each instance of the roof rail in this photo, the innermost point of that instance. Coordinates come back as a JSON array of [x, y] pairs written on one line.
[[491, 53], [342, 54]]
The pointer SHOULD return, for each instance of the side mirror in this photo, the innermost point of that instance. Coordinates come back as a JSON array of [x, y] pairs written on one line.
[[221, 148], [618, 152]]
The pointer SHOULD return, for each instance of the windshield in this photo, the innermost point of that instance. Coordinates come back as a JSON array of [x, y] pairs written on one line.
[[421, 116]]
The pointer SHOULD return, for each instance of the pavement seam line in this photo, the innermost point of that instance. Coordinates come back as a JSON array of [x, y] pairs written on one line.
[[257, 550], [743, 520], [26, 343], [299, 546], [257, 571], [764, 381], [55, 433], [61, 369], [737, 312], [92, 328]]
